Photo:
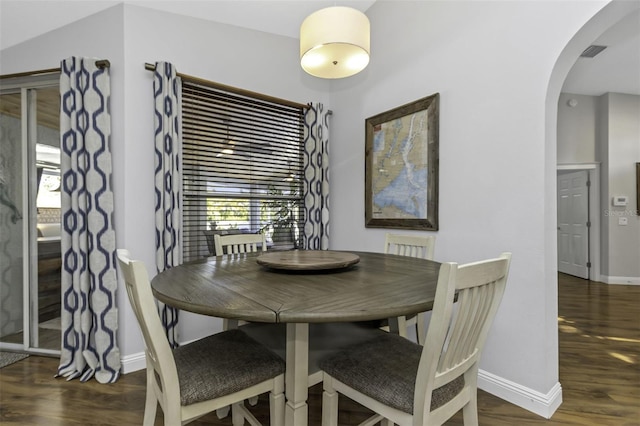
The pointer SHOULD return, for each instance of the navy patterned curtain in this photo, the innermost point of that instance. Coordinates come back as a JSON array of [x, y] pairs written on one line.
[[316, 177], [168, 169], [89, 314]]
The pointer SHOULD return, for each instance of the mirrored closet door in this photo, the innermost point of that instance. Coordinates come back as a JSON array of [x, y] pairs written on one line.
[[30, 257]]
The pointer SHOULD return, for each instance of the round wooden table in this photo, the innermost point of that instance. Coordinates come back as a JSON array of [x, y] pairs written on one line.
[[237, 287]]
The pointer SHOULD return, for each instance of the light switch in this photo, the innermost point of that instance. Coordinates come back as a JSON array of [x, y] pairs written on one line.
[[622, 221], [620, 200]]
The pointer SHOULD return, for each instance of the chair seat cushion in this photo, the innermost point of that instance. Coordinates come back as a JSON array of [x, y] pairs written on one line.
[[385, 368], [222, 364]]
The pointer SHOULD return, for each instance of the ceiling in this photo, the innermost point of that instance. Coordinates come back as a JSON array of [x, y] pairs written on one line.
[[281, 17], [616, 69]]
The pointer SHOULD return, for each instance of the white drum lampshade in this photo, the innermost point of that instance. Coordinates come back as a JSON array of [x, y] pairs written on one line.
[[334, 42]]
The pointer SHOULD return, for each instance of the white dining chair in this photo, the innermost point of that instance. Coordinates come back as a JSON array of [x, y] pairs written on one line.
[[421, 246], [407, 384], [203, 376], [239, 243]]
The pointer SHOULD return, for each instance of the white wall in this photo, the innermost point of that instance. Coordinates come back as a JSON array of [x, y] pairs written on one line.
[[620, 151], [494, 178], [577, 129]]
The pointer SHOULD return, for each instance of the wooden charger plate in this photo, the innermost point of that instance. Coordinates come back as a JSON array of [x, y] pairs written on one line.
[[307, 260]]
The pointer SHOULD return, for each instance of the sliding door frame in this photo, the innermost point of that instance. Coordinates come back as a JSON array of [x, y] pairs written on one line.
[[27, 86]]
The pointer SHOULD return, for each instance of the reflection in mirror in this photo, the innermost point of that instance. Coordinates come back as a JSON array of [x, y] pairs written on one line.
[[47, 155], [48, 163], [48, 188]]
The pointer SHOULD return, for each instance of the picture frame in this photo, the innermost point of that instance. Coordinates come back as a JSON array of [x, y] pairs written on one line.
[[401, 166]]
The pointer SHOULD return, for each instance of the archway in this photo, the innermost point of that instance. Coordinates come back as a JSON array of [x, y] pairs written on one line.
[[607, 17]]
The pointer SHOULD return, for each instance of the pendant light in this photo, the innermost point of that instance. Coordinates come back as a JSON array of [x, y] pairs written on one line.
[[228, 143], [334, 42]]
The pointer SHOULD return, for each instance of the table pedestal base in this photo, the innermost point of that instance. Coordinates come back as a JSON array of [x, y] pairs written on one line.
[[296, 383]]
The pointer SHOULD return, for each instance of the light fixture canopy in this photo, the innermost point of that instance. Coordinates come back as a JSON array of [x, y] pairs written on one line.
[[334, 42]]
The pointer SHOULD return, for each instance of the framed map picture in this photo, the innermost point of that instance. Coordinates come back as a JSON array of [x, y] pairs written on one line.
[[401, 166]]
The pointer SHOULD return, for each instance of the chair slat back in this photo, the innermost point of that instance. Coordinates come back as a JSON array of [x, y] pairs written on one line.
[[457, 333], [159, 353], [239, 243], [410, 245]]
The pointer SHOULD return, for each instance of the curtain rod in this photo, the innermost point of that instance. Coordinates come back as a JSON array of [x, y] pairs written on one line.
[[152, 67], [101, 63]]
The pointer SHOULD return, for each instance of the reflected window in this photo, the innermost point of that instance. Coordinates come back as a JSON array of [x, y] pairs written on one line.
[[49, 189], [49, 183]]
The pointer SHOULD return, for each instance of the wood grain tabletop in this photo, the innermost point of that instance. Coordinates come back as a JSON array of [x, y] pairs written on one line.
[[238, 287]]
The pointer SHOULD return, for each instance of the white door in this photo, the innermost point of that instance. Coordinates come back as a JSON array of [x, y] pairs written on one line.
[[573, 227]]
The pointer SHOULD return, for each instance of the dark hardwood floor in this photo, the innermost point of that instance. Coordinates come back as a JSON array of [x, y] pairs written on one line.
[[599, 332]]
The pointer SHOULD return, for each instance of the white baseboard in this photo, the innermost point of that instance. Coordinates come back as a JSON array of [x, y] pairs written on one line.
[[134, 362], [541, 404], [620, 280]]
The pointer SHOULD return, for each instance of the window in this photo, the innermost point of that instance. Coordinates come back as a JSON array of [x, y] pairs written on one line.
[[242, 169]]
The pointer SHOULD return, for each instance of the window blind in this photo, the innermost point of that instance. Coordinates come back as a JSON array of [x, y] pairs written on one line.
[[242, 169]]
